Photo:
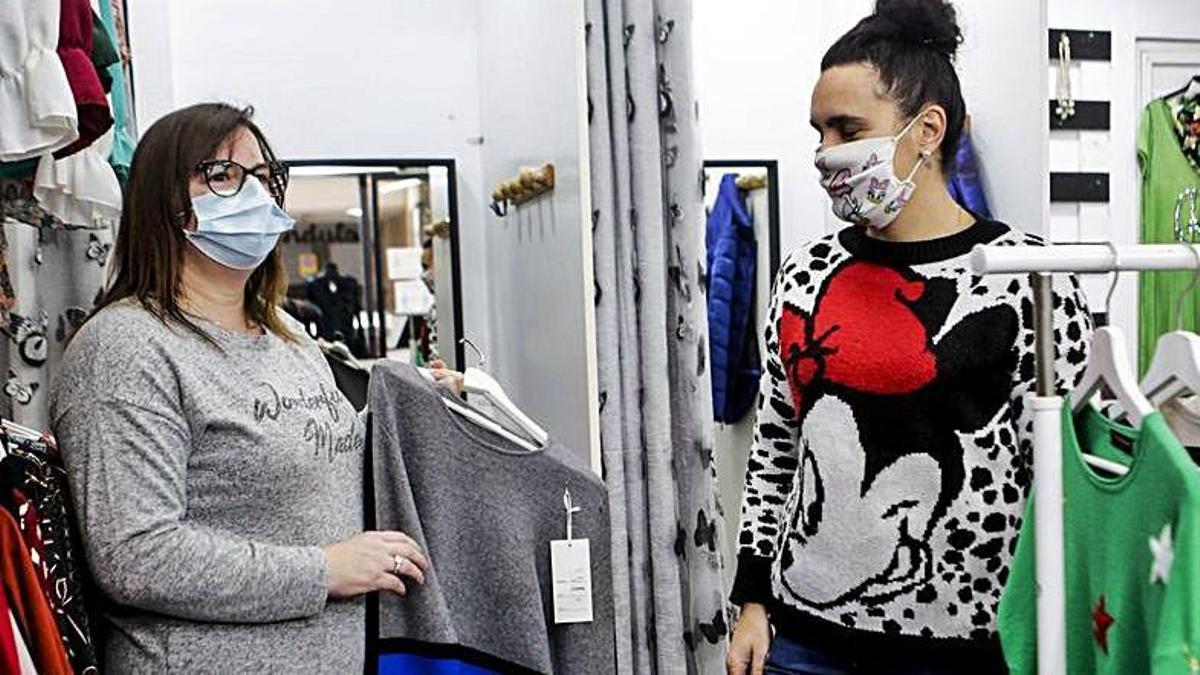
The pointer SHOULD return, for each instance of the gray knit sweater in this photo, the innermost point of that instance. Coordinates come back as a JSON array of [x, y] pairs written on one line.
[[485, 511], [206, 479]]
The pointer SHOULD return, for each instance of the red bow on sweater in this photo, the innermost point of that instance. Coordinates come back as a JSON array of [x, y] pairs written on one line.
[[863, 334]]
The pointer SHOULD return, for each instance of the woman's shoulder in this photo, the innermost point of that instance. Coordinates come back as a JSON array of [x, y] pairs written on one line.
[[1007, 235], [123, 323], [824, 250], [121, 348]]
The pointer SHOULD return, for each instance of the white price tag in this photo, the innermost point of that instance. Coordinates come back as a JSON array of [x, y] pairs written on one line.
[[571, 570]]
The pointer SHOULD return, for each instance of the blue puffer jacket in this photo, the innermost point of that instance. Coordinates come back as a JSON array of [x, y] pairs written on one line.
[[732, 257], [965, 185]]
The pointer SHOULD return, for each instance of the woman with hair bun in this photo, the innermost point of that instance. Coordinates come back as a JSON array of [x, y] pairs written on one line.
[[893, 443]]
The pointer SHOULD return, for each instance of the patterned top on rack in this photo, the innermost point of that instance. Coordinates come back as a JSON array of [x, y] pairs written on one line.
[[1187, 127], [33, 488]]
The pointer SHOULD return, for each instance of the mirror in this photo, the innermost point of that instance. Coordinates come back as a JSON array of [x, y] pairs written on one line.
[[373, 262], [758, 188]]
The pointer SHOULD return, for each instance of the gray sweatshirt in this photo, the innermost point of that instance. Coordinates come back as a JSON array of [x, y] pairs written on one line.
[[485, 511], [205, 481]]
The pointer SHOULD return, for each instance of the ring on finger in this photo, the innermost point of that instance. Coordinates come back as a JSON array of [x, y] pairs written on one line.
[[398, 564]]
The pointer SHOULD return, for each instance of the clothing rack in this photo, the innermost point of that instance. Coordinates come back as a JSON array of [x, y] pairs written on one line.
[[1041, 263]]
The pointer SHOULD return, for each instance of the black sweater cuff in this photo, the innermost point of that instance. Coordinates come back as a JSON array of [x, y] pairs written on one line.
[[753, 580]]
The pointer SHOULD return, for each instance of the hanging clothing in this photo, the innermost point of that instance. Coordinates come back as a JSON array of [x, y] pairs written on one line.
[[37, 111], [10, 634], [25, 664], [1182, 415], [1185, 113], [104, 52], [966, 185], [485, 512], [415, 664], [656, 428], [1170, 192], [56, 274], [1133, 551], [351, 379], [75, 52], [207, 477], [340, 299], [732, 269], [34, 616], [33, 489], [82, 190], [893, 445], [123, 144]]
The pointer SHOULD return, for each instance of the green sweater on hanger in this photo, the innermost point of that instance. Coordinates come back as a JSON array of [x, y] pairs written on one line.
[[1166, 177], [1132, 546]]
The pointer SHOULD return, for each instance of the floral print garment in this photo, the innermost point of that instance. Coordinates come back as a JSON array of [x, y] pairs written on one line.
[[1187, 127]]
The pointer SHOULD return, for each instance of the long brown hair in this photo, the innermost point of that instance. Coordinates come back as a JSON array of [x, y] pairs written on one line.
[[148, 260]]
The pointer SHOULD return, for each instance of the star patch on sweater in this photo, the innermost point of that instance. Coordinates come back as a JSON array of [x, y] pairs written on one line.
[[1164, 555], [1102, 621]]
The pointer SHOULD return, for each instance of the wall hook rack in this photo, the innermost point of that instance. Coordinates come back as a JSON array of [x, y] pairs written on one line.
[[529, 184]]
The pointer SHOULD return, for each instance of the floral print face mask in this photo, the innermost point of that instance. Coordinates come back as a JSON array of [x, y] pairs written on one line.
[[861, 179]]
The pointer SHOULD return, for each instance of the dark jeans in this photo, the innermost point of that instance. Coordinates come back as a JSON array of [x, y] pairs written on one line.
[[789, 657]]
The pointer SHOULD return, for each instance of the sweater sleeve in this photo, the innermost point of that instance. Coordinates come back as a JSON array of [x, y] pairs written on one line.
[[1176, 644], [127, 466], [771, 469], [1072, 345]]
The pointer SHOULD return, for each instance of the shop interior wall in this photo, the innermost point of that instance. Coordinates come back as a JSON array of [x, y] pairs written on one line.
[[756, 64], [533, 102], [758, 60], [1114, 151], [495, 85], [333, 80]]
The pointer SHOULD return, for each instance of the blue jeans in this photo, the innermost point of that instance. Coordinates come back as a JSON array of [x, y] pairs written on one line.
[[789, 657]]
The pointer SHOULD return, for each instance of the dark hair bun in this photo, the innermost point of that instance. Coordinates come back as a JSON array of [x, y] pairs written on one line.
[[930, 23]]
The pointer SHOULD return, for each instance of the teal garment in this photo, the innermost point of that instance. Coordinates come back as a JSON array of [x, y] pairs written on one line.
[[22, 168], [121, 156]]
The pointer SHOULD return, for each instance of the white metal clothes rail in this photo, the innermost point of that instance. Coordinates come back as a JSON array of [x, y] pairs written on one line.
[[1041, 262]]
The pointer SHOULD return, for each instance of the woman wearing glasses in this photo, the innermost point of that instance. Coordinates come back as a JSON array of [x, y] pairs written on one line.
[[215, 467]]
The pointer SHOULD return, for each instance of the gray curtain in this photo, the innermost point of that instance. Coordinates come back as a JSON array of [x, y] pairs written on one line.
[[655, 396]]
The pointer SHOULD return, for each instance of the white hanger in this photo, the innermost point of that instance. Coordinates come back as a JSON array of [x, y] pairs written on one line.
[[489, 425], [18, 430], [476, 381], [1109, 367], [482, 420], [1175, 367]]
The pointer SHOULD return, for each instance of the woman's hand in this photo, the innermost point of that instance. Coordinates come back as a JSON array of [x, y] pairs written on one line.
[[373, 561], [751, 639], [443, 376]]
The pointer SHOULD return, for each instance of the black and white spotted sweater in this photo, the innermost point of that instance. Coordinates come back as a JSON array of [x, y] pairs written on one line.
[[892, 450]]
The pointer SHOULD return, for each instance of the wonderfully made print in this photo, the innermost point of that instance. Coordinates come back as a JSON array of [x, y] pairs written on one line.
[[272, 403], [326, 436]]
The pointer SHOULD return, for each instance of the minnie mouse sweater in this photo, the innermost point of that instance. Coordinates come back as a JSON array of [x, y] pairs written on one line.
[[893, 447]]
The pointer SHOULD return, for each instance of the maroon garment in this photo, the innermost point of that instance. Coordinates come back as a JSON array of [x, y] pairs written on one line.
[[9, 662], [75, 52]]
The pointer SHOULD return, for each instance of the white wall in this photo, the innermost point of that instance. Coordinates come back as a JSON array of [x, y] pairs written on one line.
[[758, 60], [1114, 151], [350, 79], [533, 111]]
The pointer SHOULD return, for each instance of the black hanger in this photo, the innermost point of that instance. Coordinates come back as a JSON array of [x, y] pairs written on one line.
[[1183, 90]]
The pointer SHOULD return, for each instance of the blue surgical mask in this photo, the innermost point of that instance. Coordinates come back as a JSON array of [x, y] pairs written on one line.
[[239, 231]]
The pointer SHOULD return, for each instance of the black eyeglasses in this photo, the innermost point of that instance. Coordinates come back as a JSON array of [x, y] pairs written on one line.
[[225, 177]]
